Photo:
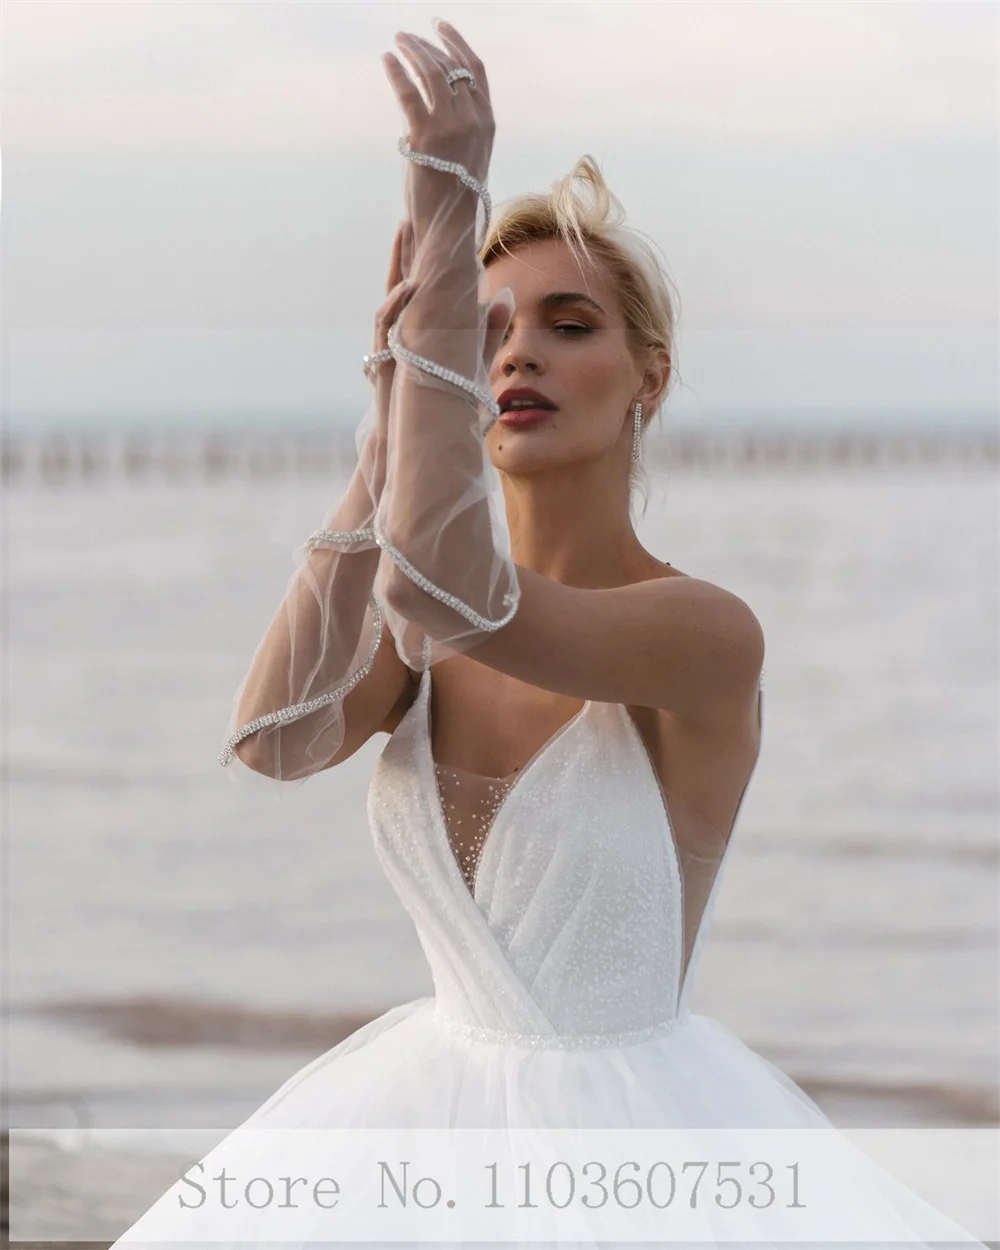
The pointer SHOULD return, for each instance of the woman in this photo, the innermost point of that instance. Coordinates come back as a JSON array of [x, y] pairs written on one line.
[[553, 808]]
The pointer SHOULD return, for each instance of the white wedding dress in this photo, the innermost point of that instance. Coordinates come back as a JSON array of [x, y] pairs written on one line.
[[561, 978], [559, 997]]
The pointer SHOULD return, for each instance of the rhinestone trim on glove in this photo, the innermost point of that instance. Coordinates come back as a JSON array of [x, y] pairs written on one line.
[[338, 538], [425, 584], [311, 705], [449, 167], [446, 375], [371, 362]]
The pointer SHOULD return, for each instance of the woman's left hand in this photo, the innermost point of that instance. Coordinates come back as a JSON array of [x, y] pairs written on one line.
[[456, 125]]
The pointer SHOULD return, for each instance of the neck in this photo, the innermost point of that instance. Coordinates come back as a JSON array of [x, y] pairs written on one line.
[[572, 524]]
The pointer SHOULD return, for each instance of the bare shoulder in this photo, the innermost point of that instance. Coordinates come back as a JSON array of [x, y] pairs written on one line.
[[733, 724], [740, 620]]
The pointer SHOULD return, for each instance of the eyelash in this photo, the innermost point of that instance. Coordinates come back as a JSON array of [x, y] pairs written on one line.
[[568, 325]]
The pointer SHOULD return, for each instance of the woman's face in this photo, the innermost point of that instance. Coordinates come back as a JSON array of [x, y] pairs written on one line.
[[572, 351]]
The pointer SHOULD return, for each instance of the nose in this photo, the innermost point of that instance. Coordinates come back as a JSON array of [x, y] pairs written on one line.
[[517, 355]]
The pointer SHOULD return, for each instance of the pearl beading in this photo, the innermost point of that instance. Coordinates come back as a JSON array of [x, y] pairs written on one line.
[[297, 710], [443, 596], [558, 1041]]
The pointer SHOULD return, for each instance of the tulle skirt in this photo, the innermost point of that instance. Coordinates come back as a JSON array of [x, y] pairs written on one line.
[[408, 1070]]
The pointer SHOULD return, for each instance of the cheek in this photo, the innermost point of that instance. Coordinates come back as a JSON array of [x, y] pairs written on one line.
[[594, 385], [596, 373]]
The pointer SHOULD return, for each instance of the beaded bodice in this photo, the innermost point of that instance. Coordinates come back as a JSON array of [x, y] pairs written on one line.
[[564, 928], [469, 803]]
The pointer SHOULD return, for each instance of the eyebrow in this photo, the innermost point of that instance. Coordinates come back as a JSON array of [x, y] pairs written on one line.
[[555, 299]]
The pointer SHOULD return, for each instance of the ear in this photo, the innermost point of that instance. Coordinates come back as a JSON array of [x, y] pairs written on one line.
[[498, 314], [656, 376]]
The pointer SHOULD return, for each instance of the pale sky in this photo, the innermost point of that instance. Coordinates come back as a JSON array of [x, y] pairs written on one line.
[[200, 198]]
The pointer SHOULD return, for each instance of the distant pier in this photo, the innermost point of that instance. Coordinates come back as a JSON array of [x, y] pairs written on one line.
[[77, 457]]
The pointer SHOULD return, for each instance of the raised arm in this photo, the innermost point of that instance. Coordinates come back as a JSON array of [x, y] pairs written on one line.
[[679, 644], [326, 674], [441, 520]]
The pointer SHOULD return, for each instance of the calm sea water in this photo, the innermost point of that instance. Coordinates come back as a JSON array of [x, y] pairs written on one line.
[[855, 936]]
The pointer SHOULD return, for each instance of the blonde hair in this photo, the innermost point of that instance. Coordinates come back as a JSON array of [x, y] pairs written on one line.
[[595, 230]]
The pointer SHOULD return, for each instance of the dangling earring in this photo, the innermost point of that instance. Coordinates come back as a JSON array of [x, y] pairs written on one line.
[[637, 432]]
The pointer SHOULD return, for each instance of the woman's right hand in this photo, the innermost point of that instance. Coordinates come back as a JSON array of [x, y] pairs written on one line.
[[454, 123], [399, 292]]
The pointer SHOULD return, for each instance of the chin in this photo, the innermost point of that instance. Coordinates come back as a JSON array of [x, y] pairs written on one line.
[[522, 444]]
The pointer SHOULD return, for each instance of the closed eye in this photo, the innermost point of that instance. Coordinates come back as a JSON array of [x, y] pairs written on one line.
[[566, 325]]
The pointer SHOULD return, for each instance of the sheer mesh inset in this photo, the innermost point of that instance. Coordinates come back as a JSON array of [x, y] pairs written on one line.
[[469, 804]]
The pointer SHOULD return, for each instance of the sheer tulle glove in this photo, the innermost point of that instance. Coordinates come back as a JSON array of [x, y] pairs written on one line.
[[419, 540], [287, 717], [441, 520]]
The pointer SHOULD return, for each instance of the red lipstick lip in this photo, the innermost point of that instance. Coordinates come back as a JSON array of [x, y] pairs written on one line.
[[506, 398], [524, 416]]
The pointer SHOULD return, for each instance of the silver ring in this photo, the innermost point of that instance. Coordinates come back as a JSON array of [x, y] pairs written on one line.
[[455, 74]]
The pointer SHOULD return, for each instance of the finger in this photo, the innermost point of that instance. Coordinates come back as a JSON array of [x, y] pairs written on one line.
[[399, 296], [406, 249], [432, 51], [425, 67], [383, 391], [445, 63], [435, 55], [386, 372], [389, 311], [395, 264], [406, 90], [454, 42]]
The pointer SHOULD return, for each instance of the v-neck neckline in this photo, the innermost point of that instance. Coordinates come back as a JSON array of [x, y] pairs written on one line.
[[441, 823]]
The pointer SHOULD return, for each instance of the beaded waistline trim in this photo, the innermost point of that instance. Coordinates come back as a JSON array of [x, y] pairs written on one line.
[[558, 1041]]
